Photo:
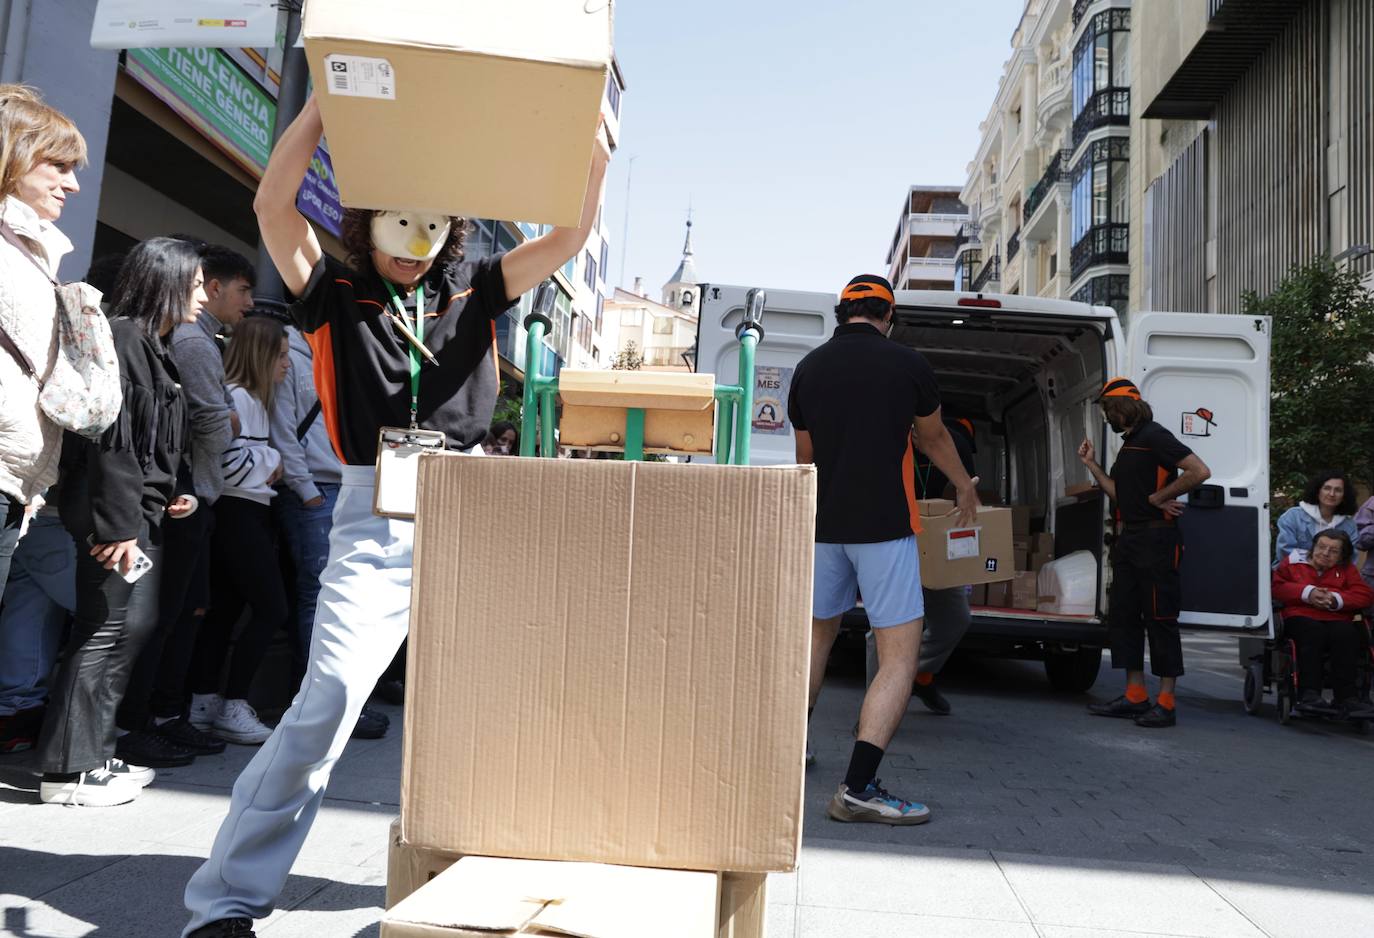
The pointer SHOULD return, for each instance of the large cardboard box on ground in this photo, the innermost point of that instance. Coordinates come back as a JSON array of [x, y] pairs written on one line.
[[461, 107], [490, 897], [743, 896], [955, 556], [604, 657]]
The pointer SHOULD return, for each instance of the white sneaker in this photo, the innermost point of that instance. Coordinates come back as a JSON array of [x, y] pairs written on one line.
[[205, 710], [98, 788], [239, 723], [139, 775]]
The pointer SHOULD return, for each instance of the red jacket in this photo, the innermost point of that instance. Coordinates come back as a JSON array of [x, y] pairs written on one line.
[[1291, 580]]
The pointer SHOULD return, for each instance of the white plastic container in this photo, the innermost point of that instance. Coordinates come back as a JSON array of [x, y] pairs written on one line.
[[1068, 586]]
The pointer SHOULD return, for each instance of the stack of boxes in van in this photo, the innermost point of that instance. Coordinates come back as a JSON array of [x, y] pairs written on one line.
[[608, 685]]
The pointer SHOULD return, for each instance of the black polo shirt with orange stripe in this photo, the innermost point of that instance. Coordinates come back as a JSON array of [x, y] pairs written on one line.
[[858, 395], [362, 362], [1148, 462]]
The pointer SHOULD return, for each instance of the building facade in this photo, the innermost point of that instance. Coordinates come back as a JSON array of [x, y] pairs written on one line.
[[1255, 129], [921, 256], [178, 139], [664, 333], [1048, 188]]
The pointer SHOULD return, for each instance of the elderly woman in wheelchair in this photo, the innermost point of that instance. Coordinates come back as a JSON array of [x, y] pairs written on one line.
[[1321, 592]]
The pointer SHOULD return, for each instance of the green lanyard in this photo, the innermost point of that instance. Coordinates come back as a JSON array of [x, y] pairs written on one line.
[[417, 327]]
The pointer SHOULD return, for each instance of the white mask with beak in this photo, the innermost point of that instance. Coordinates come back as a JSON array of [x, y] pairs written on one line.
[[416, 236]]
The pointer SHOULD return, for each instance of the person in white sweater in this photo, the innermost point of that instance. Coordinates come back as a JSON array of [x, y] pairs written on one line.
[[243, 560]]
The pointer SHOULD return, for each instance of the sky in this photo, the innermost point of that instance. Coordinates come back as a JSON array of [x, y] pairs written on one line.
[[793, 130]]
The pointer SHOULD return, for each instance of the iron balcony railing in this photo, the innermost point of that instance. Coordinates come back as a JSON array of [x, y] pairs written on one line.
[[1108, 106], [1101, 244], [1013, 244], [1055, 172], [968, 233], [991, 271], [1080, 8]]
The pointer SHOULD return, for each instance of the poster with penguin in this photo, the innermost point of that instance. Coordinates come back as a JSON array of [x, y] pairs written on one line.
[[771, 386]]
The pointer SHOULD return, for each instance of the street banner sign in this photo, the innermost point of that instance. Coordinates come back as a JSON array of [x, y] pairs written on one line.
[[137, 24]]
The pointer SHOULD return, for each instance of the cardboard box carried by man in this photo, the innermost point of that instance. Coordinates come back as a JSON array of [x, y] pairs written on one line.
[[462, 107]]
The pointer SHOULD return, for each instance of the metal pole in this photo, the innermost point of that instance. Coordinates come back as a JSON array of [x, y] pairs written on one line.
[[529, 413], [295, 78], [625, 228], [634, 434], [744, 414]]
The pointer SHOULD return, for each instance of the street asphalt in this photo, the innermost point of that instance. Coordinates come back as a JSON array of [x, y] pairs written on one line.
[[1046, 822]]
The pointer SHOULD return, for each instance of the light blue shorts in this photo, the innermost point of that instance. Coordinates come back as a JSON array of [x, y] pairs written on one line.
[[887, 573]]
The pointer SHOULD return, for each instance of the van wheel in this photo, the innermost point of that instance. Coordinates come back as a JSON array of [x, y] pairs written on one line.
[[1073, 672], [1254, 687]]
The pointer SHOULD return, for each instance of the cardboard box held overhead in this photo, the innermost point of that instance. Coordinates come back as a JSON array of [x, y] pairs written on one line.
[[961, 556], [604, 655], [488, 897], [461, 107]]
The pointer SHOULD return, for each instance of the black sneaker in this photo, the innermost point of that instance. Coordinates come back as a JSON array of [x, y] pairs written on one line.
[[145, 747], [226, 928], [1120, 707], [930, 695], [182, 734], [1311, 701], [1157, 717], [372, 724], [19, 731]]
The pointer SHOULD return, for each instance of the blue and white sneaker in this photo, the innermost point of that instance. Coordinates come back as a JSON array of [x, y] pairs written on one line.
[[876, 806]]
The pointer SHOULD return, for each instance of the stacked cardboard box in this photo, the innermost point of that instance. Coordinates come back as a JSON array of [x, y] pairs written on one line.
[[616, 628], [952, 555]]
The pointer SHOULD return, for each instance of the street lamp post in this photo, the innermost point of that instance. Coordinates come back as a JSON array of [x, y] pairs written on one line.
[[295, 77]]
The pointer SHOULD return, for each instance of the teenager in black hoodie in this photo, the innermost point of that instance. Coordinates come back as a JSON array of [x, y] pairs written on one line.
[[116, 492]]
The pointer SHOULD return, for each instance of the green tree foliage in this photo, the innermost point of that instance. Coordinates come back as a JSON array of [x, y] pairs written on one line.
[[628, 359], [1322, 375]]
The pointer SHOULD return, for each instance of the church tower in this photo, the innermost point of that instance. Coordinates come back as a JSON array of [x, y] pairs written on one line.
[[681, 291]]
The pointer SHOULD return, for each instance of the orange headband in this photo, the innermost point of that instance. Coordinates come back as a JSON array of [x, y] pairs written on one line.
[[1121, 387], [863, 291]]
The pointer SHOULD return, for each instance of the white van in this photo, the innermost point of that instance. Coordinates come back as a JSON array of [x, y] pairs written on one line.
[[1027, 371]]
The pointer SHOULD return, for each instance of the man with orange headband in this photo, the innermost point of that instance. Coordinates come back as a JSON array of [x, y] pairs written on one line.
[[1152, 470], [852, 404]]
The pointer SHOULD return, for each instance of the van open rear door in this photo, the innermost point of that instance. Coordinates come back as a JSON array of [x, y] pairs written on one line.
[[793, 324], [1207, 379]]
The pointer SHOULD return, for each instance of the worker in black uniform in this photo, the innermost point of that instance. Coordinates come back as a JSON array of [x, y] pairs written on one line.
[[947, 610], [1152, 470]]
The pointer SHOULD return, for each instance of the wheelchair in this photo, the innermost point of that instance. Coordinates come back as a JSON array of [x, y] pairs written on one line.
[[1274, 664]]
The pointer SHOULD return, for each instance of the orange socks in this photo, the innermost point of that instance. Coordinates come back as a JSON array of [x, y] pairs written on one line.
[[924, 678], [1166, 700], [1136, 693]]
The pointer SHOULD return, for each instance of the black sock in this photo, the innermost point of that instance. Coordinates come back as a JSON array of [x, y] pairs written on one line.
[[863, 765]]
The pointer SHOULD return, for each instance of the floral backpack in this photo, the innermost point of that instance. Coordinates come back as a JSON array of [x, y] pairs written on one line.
[[82, 394]]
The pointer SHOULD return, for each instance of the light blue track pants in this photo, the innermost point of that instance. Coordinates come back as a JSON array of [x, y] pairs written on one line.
[[361, 619]]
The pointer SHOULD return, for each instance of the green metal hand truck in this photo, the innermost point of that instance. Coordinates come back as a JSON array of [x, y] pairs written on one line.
[[734, 402]]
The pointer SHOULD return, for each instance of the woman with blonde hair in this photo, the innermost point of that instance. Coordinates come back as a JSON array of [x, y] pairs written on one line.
[[40, 151], [243, 559]]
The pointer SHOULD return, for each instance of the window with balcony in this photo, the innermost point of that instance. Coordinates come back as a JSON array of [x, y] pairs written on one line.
[[663, 325], [600, 310], [1101, 199], [1102, 73], [1111, 290]]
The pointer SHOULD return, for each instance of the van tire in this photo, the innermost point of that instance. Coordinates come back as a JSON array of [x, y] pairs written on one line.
[[1073, 672]]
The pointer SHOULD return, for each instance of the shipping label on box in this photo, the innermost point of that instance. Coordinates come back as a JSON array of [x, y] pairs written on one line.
[[651, 666], [953, 555], [458, 76]]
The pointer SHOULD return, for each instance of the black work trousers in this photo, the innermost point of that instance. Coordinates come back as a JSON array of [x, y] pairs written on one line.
[[158, 684], [1144, 600], [113, 621], [1317, 639], [244, 572]]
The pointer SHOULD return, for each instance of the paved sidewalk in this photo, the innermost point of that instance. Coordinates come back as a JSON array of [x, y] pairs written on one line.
[[1047, 823]]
